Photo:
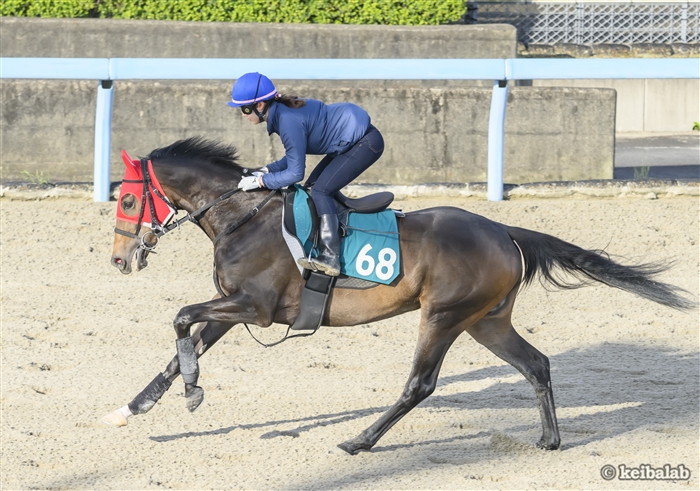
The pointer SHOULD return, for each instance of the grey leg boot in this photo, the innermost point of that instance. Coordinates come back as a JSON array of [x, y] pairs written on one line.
[[328, 260]]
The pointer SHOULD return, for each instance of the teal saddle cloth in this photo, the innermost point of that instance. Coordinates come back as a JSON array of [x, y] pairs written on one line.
[[370, 249]]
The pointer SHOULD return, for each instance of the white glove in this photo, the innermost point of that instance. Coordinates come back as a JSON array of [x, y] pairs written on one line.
[[261, 171], [248, 183]]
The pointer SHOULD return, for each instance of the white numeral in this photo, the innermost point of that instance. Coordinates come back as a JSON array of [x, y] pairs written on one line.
[[364, 258], [386, 264], [385, 268]]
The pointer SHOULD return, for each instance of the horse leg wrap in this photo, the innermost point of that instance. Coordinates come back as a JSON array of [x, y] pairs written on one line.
[[147, 398], [189, 368]]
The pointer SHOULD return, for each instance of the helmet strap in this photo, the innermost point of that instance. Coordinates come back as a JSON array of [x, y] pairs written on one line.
[[261, 115]]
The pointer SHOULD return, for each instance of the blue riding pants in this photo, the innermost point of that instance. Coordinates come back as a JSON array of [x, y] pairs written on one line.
[[334, 172]]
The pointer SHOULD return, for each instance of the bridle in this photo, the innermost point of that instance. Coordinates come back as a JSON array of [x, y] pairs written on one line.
[[159, 229]]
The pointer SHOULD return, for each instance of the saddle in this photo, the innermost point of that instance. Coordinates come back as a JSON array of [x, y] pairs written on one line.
[[367, 226], [374, 203]]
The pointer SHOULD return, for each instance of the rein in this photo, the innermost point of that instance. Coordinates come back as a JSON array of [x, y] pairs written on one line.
[[215, 277], [159, 229]]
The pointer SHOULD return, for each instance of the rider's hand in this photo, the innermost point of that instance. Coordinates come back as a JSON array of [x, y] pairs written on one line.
[[249, 182], [261, 171]]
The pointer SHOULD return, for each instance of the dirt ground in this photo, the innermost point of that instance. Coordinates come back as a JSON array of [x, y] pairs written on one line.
[[80, 340]]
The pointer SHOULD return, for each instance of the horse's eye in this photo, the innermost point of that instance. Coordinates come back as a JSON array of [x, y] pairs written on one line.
[[128, 204]]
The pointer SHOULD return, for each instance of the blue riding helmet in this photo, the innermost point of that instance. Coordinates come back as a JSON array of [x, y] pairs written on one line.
[[251, 88]]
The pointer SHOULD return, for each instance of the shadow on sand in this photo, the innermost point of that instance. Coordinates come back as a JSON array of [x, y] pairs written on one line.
[[649, 383]]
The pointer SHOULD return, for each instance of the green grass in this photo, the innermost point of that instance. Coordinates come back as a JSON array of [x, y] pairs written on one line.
[[641, 172], [36, 178]]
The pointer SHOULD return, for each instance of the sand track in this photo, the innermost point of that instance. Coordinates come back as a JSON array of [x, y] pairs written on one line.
[[79, 340]]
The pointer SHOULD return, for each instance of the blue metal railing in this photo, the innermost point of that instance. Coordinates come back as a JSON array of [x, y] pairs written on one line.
[[107, 70]]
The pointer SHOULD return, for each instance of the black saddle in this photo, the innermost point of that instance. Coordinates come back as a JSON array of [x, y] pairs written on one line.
[[374, 203]]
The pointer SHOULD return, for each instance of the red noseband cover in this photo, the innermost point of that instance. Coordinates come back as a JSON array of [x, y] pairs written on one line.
[[133, 184]]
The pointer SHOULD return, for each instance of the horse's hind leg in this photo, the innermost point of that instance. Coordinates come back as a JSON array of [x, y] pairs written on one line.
[[497, 334], [204, 337], [433, 343]]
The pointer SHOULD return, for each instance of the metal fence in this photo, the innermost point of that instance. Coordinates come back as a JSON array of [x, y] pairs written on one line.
[[500, 71], [593, 23]]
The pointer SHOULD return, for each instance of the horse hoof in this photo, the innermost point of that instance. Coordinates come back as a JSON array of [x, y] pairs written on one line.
[[355, 446], [544, 445], [195, 396], [115, 418]]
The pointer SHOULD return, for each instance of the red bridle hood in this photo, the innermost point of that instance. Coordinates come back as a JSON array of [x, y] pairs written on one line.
[[133, 183]]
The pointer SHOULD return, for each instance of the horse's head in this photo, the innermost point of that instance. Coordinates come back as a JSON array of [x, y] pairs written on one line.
[[142, 210]]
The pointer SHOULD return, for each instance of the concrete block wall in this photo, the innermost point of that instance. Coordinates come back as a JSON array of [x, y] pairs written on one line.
[[432, 135], [109, 38], [436, 131], [647, 105]]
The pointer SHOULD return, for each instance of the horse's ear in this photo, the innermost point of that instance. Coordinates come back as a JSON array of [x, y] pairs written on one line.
[[133, 169]]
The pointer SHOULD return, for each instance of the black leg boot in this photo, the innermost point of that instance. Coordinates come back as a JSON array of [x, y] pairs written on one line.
[[328, 260]]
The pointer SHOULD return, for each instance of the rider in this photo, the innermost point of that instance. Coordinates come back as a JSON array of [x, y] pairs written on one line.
[[342, 132]]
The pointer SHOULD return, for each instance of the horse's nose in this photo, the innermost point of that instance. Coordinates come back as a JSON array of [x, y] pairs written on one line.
[[121, 264], [118, 263]]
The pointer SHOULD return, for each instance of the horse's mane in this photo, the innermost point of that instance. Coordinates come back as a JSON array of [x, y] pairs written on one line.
[[199, 148]]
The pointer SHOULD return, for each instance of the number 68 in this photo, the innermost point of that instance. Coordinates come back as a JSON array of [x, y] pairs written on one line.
[[385, 267]]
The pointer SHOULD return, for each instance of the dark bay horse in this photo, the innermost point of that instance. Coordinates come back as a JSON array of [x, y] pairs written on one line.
[[461, 270]]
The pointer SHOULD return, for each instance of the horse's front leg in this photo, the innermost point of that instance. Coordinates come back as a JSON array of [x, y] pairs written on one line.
[[234, 309], [204, 337]]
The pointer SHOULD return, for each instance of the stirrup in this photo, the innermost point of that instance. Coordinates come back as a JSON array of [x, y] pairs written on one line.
[[306, 263], [325, 268], [317, 267]]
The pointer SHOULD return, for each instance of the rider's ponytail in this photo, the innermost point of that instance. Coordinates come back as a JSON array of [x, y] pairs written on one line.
[[290, 101]]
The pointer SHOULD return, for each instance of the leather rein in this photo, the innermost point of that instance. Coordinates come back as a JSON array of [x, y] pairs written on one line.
[[159, 229]]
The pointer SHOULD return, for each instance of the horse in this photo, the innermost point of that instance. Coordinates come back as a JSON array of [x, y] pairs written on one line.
[[463, 272]]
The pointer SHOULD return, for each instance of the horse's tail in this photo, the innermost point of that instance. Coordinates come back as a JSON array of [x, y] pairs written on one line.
[[550, 257]]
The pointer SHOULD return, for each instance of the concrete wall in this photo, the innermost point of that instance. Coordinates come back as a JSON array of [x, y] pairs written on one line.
[[436, 131], [651, 105], [432, 135], [108, 38]]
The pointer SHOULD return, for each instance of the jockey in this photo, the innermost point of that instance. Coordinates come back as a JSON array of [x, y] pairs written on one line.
[[342, 132]]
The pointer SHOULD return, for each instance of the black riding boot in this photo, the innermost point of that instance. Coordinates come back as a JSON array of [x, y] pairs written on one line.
[[328, 260]]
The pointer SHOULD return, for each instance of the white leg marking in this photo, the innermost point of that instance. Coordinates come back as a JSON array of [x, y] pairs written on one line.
[[118, 417]]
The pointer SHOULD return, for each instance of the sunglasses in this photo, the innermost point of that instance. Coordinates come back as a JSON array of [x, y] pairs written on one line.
[[250, 108]]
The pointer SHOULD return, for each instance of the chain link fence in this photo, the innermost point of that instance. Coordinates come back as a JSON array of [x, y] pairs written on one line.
[[592, 23]]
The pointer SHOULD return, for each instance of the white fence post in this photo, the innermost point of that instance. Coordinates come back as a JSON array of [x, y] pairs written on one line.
[[103, 138], [497, 120]]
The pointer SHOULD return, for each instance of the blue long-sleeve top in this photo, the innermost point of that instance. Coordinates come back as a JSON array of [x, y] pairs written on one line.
[[315, 129]]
